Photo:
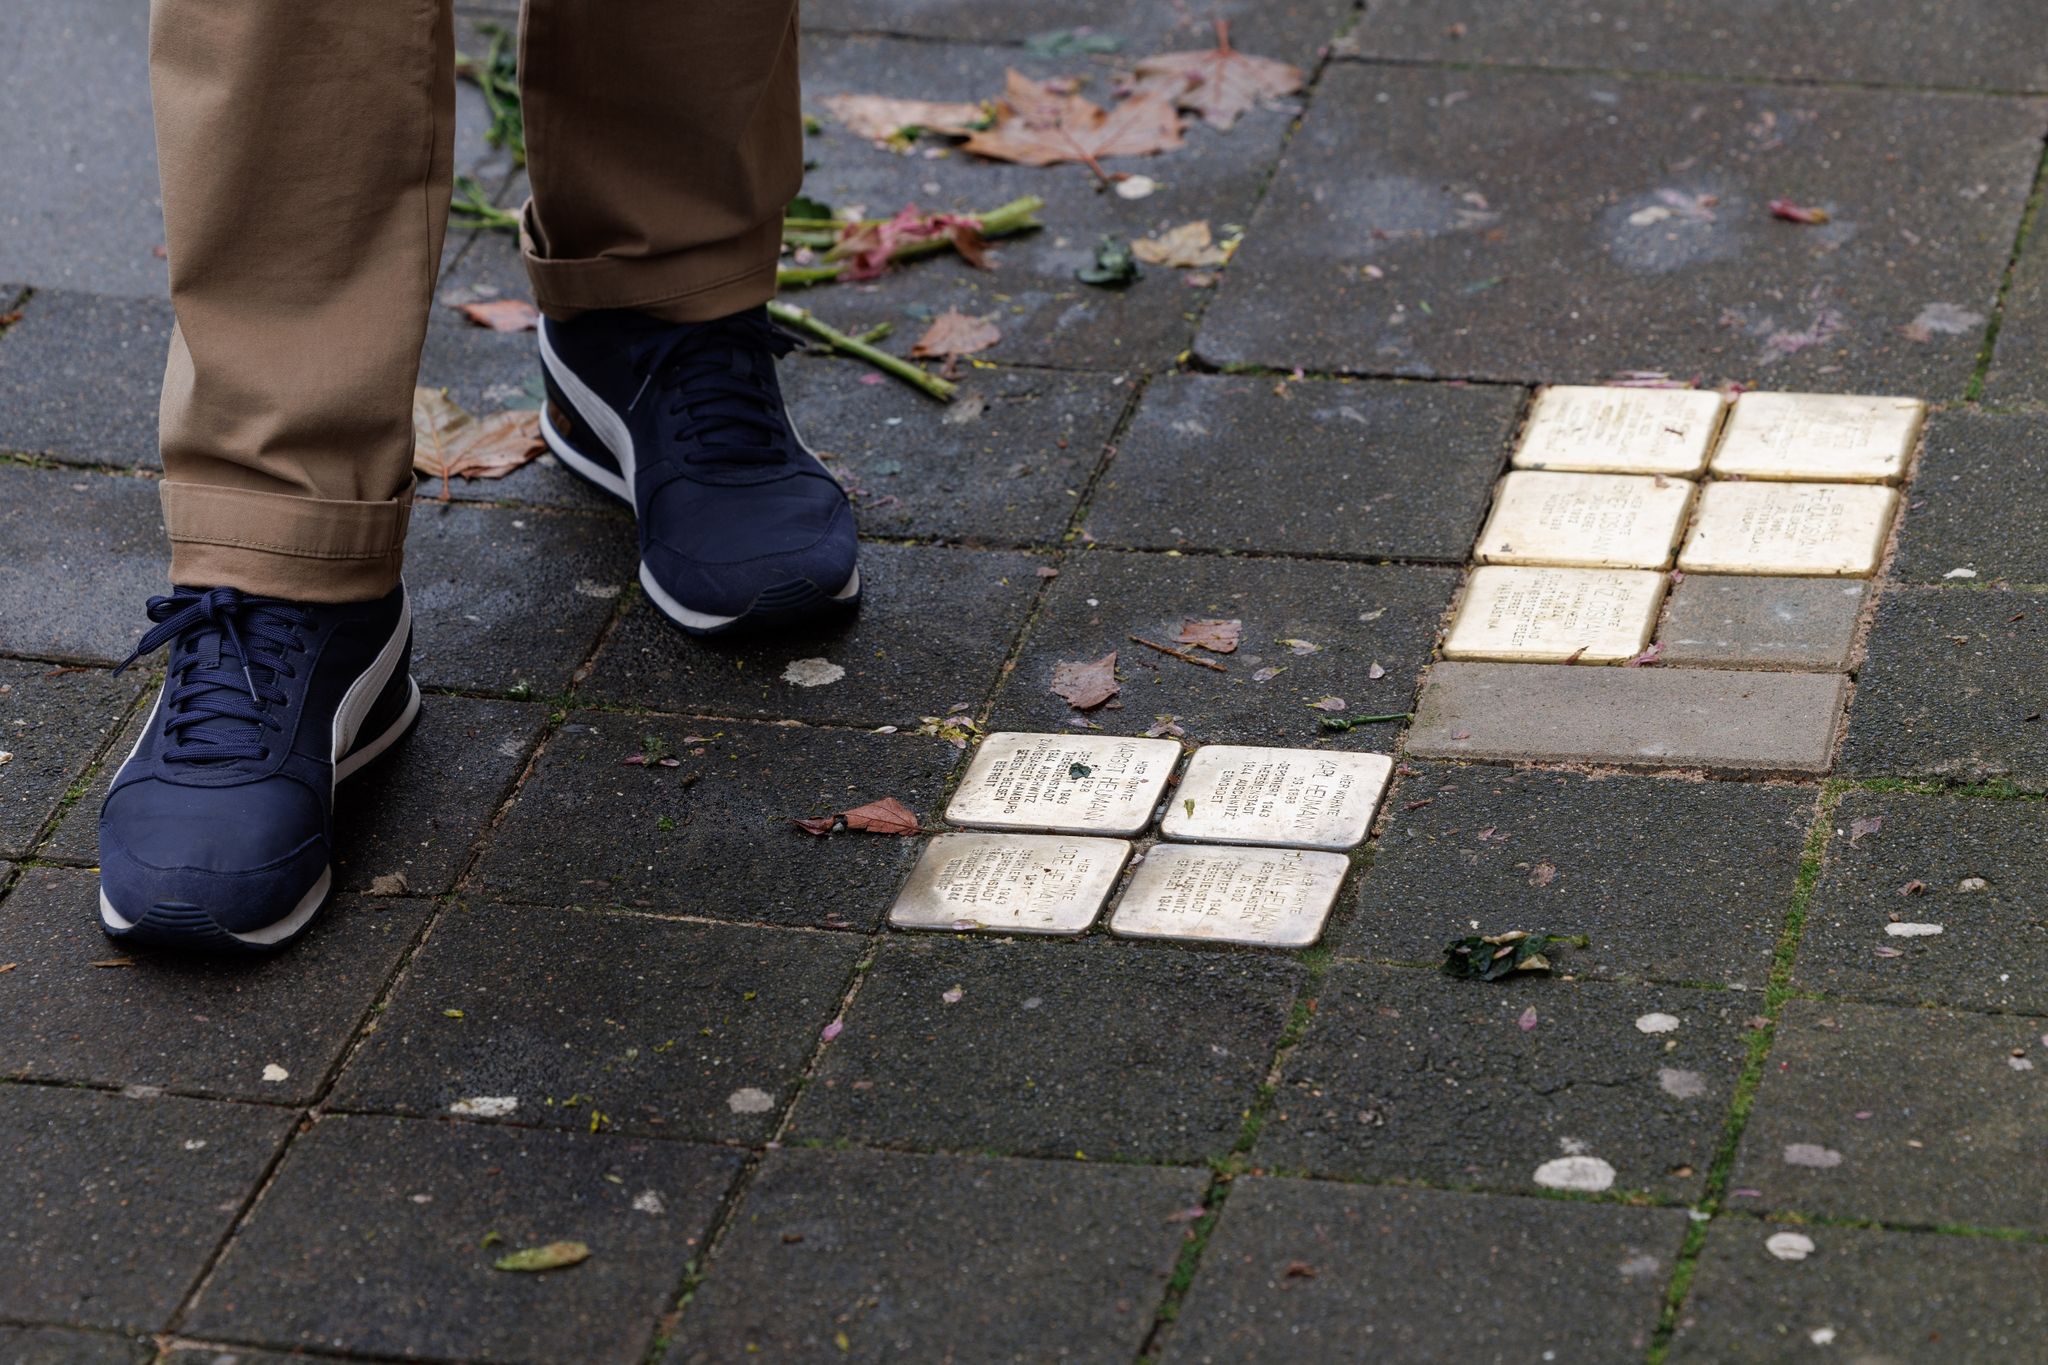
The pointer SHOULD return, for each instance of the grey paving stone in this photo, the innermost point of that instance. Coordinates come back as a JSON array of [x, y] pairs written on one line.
[[1740, 621], [934, 627], [1126, 1054], [1971, 866], [85, 552], [62, 1346], [2019, 365], [1978, 500], [1952, 686], [1868, 1295], [1421, 1275], [1716, 719], [1671, 880], [487, 371], [1045, 314], [665, 1029], [1011, 475], [416, 812], [1291, 30], [1410, 1074], [420, 1279], [53, 724], [712, 838], [111, 1206], [1357, 615], [1920, 1117], [79, 377], [920, 1257], [188, 1022], [1505, 257], [1373, 471], [233, 1355], [82, 209], [1968, 45], [504, 596]]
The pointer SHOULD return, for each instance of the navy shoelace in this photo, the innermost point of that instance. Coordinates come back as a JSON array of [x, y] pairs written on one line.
[[718, 379], [216, 708]]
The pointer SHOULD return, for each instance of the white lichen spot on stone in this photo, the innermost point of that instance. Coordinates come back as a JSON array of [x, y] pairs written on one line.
[[649, 1202], [275, 1073], [1972, 884], [1684, 1085], [1960, 573], [1811, 1154], [1656, 1023], [485, 1106], [1640, 1264], [750, 1101], [1587, 1173], [194, 1144], [1822, 1336], [812, 672], [2020, 1063], [590, 587], [1789, 1246], [1909, 929]]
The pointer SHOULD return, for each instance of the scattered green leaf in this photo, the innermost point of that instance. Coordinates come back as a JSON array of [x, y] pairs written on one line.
[[553, 1256], [1489, 957], [1114, 268]]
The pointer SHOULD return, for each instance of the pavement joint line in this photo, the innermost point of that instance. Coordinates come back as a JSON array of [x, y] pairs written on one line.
[[2022, 237], [1622, 73], [1742, 1101], [168, 1342]]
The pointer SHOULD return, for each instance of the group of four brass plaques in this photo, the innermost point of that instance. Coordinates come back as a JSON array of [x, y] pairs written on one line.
[[1252, 847], [1613, 487]]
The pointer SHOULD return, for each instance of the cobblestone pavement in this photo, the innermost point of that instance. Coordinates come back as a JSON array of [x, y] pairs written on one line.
[[565, 998]]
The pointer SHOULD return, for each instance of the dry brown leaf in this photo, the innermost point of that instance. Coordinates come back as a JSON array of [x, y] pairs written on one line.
[[886, 816], [503, 315], [1218, 637], [1037, 124], [1186, 247], [449, 443], [955, 333], [880, 117], [1220, 84], [1086, 685]]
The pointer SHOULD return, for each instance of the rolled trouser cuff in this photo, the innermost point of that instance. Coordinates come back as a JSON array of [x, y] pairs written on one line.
[[695, 285], [281, 545]]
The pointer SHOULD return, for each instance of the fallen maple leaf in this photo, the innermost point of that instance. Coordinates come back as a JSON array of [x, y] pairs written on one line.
[[1086, 685], [503, 315], [1218, 637], [1187, 247], [449, 443], [881, 118], [1794, 213], [1037, 124], [886, 816], [867, 248], [1218, 85], [954, 333]]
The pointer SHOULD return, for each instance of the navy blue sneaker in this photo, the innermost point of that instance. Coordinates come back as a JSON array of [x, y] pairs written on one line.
[[218, 831], [739, 523]]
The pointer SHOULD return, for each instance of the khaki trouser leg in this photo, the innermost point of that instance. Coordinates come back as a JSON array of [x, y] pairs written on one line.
[[663, 139], [305, 149]]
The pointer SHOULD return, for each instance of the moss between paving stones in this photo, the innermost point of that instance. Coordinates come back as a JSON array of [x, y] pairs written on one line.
[[1406, 1074], [714, 836], [1952, 687], [408, 1206], [1301, 1270], [1950, 1129], [878, 1256], [1672, 881], [1915, 867], [1105, 1049], [632, 1023], [115, 1204], [186, 1021], [1863, 1295]]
